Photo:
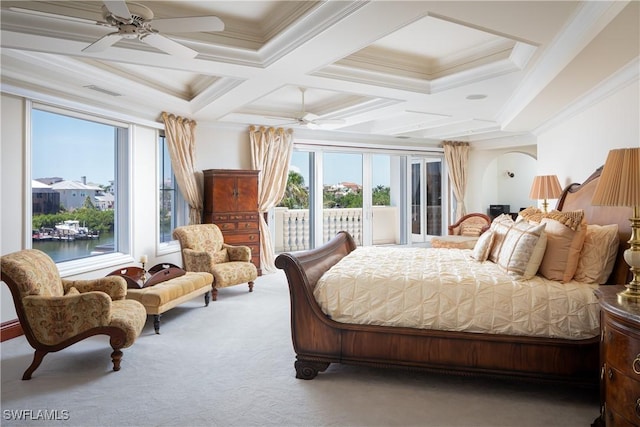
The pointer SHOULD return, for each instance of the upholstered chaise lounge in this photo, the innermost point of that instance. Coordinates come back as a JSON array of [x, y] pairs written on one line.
[[55, 313]]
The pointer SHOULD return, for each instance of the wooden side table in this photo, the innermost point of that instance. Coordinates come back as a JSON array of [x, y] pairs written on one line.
[[619, 359]]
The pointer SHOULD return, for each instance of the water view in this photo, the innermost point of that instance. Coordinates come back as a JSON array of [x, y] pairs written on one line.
[[67, 250]]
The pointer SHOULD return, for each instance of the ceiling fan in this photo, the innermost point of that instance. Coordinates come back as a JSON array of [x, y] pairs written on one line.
[[310, 120], [134, 21]]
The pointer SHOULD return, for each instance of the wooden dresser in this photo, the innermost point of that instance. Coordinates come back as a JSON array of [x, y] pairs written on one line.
[[620, 359], [231, 202]]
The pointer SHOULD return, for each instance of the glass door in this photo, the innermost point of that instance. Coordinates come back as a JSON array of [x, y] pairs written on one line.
[[342, 195], [426, 194]]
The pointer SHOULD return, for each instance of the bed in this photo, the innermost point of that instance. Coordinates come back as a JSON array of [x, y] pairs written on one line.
[[319, 339]]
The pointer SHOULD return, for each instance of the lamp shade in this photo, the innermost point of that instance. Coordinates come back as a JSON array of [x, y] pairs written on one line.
[[619, 183], [545, 187]]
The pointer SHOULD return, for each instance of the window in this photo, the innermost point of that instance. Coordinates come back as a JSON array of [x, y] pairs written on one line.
[[172, 206], [77, 173]]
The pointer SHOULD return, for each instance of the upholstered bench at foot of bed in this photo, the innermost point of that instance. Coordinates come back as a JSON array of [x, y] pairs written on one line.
[[165, 295], [457, 242]]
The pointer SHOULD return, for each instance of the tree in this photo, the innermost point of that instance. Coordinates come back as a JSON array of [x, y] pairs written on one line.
[[296, 195], [381, 196], [88, 204]]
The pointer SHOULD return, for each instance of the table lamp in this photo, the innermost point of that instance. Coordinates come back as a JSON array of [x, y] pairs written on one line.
[[619, 185], [545, 187]]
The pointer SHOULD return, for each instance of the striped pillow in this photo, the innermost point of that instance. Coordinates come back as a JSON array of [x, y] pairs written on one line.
[[523, 249], [499, 226]]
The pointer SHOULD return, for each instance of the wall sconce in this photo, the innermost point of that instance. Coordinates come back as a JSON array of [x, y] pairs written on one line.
[[510, 174]]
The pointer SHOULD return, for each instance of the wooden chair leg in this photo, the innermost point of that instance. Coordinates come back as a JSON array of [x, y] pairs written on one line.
[[116, 357], [250, 286], [206, 299], [214, 294], [37, 360], [156, 323]]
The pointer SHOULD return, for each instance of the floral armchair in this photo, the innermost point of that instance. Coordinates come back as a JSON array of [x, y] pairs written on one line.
[[470, 225], [203, 249], [55, 313]]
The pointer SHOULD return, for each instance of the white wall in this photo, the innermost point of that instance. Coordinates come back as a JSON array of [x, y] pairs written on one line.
[[487, 183], [579, 145]]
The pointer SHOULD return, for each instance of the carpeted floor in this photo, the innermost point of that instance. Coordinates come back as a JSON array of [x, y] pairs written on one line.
[[231, 364]]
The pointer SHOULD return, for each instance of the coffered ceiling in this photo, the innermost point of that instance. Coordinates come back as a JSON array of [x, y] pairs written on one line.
[[418, 70]]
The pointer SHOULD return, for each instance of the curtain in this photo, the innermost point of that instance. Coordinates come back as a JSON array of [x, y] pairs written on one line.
[[181, 140], [270, 154], [457, 156]]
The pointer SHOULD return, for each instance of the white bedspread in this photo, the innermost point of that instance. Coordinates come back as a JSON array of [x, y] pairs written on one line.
[[446, 289]]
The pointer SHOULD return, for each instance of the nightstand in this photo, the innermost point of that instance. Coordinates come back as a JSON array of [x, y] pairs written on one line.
[[619, 359]]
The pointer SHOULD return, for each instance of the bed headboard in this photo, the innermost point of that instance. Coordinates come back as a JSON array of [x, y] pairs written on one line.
[[578, 196]]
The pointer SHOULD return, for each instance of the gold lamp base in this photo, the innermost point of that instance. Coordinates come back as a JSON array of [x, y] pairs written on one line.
[[632, 257]]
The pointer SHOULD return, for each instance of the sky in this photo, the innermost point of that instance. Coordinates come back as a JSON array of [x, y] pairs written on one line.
[[71, 148], [343, 167]]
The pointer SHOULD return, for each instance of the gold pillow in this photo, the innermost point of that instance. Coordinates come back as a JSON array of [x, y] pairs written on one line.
[[598, 254], [571, 219], [563, 250]]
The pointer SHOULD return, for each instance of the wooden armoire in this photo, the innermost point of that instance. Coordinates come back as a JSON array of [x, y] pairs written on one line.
[[231, 202]]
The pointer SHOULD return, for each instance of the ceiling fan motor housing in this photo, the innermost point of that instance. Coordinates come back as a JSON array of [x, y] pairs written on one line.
[[140, 15]]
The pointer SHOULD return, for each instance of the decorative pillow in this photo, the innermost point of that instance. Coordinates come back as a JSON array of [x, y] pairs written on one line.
[[571, 219], [221, 256], [561, 257], [598, 254], [73, 291], [522, 249], [472, 229], [499, 226], [483, 246]]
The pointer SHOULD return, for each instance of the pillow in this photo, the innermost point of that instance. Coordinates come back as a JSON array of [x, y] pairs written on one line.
[[73, 291], [561, 257], [483, 246], [472, 229], [598, 254], [221, 256], [522, 250], [499, 226], [571, 219]]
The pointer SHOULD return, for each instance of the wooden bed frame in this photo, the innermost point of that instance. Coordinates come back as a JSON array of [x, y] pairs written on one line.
[[319, 341]]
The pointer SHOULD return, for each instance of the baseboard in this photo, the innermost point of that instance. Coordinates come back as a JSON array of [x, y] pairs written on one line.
[[10, 329]]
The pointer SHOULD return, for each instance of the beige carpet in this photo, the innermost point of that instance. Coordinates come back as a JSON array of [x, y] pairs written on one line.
[[231, 364]]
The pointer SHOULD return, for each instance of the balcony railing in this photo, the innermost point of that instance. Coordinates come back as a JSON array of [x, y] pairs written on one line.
[[292, 226]]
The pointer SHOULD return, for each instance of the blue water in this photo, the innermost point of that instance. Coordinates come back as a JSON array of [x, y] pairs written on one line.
[[63, 250]]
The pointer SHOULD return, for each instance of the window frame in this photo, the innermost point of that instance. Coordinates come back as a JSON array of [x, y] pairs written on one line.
[[122, 218], [181, 209]]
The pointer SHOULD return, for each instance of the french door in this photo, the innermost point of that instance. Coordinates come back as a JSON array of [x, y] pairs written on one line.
[[427, 198]]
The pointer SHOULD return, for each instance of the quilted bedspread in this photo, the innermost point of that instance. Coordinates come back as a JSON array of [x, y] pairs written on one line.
[[447, 289]]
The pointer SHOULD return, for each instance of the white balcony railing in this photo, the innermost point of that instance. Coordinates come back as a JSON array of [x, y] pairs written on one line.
[[292, 226]]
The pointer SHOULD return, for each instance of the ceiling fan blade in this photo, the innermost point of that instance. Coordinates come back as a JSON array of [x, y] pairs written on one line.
[[169, 46], [103, 43], [118, 8], [189, 25], [329, 121]]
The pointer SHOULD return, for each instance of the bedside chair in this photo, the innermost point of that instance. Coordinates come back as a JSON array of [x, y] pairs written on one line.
[[470, 225], [203, 249], [55, 313]]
